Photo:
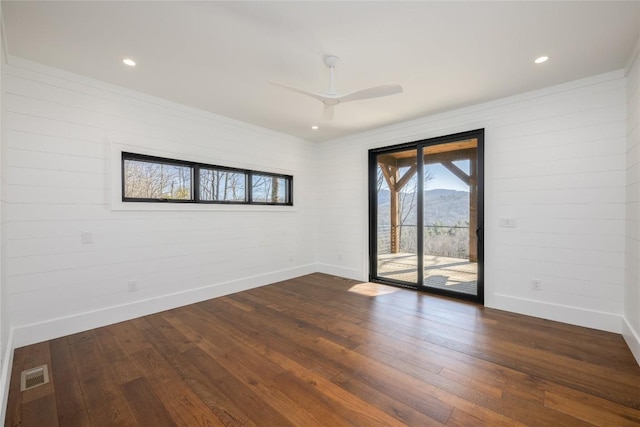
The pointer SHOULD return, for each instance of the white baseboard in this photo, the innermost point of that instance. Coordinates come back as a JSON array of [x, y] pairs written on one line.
[[336, 270], [632, 337], [5, 376], [62, 326], [609, 322]]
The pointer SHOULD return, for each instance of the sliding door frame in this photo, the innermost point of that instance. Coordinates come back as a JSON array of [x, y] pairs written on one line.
[[419, 145]]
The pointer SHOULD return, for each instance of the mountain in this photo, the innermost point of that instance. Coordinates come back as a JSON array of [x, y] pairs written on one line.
[[443, 207]]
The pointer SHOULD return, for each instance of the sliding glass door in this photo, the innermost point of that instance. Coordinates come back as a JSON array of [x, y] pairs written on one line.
[[426, 215]]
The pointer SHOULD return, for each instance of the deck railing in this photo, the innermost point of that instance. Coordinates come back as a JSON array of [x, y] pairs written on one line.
[[442, 240]]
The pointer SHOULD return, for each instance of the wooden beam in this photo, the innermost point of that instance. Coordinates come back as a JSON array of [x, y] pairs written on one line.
[[449, 156], [389, 175], [394, 221], [406, 177], [457, 172], [473, 211], [387, 159]]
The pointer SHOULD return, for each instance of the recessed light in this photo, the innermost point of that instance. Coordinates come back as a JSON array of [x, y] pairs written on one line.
[[129, 62], [541, 59], [314, 127]]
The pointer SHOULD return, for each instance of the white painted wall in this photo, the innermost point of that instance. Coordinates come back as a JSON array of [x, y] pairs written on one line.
[[631, 326], [61, 131], [4, 324], [555, 160], [6, 343]]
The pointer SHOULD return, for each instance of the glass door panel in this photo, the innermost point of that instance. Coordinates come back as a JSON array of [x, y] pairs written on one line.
[[450, 217], [397, 216]]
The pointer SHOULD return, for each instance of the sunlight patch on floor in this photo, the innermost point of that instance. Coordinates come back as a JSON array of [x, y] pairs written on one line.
[[372, 289]]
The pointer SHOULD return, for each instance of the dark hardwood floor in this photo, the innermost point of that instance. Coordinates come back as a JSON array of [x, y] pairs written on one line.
[[323, 351]]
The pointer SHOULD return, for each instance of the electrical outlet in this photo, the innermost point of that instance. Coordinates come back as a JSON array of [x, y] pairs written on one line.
[[507, 222], [536, 284], [86, 237], [132, 285], [339, 256]]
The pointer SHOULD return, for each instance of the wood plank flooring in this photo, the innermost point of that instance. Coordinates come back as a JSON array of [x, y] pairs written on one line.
[[324, 351]]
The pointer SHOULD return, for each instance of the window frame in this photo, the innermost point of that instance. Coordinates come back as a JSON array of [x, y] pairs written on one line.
[[195, 182]]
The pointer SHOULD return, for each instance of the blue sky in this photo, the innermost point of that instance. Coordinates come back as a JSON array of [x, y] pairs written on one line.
[[443, 179]]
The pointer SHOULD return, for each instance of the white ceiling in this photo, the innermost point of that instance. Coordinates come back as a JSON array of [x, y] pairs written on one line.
[[218, 56]]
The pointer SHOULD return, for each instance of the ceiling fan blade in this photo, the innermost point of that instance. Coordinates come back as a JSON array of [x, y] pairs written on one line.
[[372, 92], [314, 95], [327, 113]]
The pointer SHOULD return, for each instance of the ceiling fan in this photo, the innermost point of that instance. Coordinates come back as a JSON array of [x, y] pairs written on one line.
[[331, 98]]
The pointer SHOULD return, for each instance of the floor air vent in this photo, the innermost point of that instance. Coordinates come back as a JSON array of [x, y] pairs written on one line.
[[34, 377]]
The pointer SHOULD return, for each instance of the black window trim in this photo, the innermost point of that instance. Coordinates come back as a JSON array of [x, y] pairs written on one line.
[[195, 182]]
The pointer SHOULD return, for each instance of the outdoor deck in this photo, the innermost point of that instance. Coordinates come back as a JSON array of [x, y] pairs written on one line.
[[453, 274]]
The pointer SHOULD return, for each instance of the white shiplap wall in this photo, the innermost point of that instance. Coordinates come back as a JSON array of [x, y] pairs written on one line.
[[6, 349], [631, 326], [4, 314], [61, 132], [555, 160]]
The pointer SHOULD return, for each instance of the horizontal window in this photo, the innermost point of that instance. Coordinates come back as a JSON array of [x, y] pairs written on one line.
[[158, 179]]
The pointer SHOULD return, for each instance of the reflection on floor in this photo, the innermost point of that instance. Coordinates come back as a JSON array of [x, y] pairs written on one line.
[[453, 274]]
